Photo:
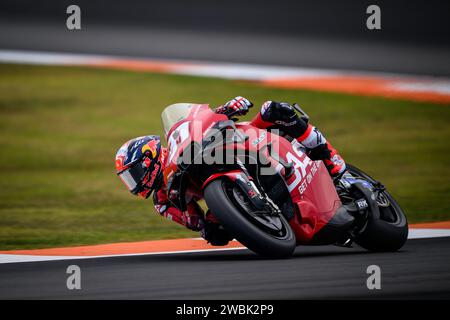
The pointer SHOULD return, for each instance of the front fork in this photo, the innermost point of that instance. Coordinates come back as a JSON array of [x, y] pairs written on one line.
[[245, 182]]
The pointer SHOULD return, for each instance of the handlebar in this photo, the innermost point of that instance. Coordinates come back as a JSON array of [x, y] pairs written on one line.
[[295, 106]]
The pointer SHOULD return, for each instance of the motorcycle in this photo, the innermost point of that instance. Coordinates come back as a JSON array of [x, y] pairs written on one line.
[[265, 190]]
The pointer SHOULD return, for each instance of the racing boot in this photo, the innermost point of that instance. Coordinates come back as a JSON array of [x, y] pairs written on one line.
[[320, 149]]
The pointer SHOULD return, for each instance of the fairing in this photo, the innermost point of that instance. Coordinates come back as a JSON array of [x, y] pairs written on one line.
[[311, 187]]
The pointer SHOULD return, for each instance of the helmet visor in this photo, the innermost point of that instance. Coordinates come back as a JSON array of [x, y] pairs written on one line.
[[133, 176]]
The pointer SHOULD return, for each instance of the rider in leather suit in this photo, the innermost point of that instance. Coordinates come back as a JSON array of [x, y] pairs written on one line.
[[141, 161]]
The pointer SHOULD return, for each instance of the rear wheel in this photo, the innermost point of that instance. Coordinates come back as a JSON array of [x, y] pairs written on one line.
[[388, 232], [265, 233]]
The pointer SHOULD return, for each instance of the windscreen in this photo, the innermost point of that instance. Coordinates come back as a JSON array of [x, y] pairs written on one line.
[[174, 113]]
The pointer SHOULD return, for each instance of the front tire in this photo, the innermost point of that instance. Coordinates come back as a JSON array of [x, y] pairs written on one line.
[[223, 205], [387, 233]]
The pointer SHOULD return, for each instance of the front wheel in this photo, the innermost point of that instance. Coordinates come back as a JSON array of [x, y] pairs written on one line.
[[389, 232], [264, 233]]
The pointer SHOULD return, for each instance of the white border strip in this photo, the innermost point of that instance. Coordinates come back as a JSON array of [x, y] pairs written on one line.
[[428, 233], [14, 258], [223, 70]]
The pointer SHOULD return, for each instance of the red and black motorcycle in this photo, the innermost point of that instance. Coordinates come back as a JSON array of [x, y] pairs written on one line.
[[267, 192]]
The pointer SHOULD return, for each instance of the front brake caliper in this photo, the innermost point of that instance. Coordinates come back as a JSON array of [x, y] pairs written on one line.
[[260, 202]]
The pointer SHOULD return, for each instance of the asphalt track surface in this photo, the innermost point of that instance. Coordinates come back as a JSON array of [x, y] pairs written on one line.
[[421, 270], [228, 47]]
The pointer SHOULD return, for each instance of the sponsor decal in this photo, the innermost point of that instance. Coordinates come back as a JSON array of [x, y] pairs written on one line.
[[286, 124], [303, 177], [153, 175], [252, 193], [362, 204], [150, 148], [259, 139]]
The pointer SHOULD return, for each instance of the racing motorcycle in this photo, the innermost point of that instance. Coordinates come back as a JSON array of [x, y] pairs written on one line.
[[265, 190]]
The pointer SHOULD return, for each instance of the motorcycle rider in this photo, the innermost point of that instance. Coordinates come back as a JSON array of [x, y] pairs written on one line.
[[140, 163]]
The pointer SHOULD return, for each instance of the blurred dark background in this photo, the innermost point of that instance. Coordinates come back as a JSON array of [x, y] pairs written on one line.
[[417, 21], [415, 34]]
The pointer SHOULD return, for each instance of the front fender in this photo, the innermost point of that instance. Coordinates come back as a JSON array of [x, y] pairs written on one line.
[[244, 182], [232, 175]]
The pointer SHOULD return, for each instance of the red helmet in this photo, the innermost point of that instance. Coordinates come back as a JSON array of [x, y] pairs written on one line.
[[139, 164]]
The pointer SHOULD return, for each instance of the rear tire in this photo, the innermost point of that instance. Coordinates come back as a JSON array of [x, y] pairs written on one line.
[[242, 228], [387, 233]]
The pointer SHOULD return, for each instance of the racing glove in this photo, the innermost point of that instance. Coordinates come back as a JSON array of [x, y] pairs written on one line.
[[214, 232], [238, 106], [193, 218]]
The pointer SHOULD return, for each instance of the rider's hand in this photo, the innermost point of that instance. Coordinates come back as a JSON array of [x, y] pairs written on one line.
[[194, 222], [215, 234], [237, 107]]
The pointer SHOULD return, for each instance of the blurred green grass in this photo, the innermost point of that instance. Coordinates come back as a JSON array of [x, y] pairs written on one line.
[[61, 126]]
